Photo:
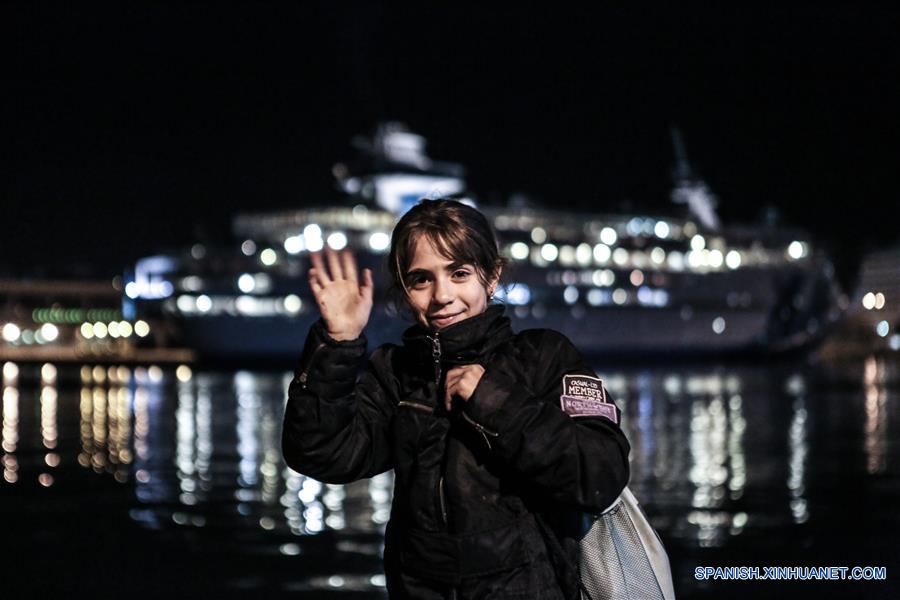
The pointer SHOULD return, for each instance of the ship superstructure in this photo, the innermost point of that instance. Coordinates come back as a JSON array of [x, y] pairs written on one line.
[[614, 283]]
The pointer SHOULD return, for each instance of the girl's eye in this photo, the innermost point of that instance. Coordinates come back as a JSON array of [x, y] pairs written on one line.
[[417, 281], [461, 273]]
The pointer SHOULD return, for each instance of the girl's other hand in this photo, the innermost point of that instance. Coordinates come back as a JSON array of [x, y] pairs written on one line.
[[344, 302], [462, 381]]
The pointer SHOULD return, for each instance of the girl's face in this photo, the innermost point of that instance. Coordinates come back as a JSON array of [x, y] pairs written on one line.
[[442, 291]]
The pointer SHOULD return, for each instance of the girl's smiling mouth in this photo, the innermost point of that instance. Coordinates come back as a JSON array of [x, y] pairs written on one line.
[[443, 320]]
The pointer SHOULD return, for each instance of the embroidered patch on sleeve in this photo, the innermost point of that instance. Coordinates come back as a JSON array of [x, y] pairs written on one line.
[[580, 407], [584, 387], [585, 396]]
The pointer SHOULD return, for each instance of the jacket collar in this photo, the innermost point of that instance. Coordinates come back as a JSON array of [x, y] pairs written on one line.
[[464, 342]]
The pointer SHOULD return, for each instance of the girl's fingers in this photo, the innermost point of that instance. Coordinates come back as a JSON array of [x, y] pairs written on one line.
[[348, 262], [367, 287], [334, 264], [453, 377], [321, 274]]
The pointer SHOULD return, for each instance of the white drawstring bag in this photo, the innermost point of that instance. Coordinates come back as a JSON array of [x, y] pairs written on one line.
[[622, 556]]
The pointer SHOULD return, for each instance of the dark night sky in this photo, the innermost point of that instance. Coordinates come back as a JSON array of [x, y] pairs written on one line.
[[125, 128]]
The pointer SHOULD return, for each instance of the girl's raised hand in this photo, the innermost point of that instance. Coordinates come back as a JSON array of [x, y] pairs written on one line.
[[344, 302]]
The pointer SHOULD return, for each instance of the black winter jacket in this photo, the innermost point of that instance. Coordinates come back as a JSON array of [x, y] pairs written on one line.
[[467, 481]]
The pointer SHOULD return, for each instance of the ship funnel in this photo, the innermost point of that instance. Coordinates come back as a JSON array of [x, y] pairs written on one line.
[[689, 189]]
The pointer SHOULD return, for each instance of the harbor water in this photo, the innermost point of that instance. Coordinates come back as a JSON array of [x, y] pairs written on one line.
[[168, 482]]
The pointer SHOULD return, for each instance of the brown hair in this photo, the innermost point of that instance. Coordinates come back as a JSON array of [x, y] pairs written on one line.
[[457, 231]]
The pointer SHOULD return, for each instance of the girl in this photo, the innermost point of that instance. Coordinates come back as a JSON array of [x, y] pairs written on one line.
[[483, 427]]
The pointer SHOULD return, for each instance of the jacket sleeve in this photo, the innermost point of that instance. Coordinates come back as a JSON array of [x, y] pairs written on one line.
[[581, 461], [336, 425]]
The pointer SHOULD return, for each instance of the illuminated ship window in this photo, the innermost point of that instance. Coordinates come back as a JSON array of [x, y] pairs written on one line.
[[516, 294], [583, 254], [698, 242], [292, 304], [645, 295], [519, 251], [295, 244], [718, 325], [597, 297], [608, 236], [567, 255], [268, 257], [661, 229], [603, 277], [639, 259], [797, 250], [337, 240], [379, 241], [602, 253], [635, 227], [549, 252], [312, 234]]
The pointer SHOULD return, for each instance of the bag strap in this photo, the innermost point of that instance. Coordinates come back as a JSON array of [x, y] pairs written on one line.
[[560, 559]]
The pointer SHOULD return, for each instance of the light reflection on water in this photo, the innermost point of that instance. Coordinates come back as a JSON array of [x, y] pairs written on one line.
[[715, 452]]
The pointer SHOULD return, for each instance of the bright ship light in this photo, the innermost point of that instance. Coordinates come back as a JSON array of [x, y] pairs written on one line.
[[549, 252], [868, 301], [49, 332], [204, 303], [661, 229], [294, 244], [268, 257], [519, 250], [248, 248], [379, 241], [608, 236], [602, 253], [797, 250], [698, 242], [246, 283], [733, 259], [142, 329], [583, 254], [11, 332], [337, 240], [292, 304]]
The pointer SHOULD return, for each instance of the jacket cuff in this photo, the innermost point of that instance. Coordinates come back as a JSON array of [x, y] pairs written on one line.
[[343, 359]]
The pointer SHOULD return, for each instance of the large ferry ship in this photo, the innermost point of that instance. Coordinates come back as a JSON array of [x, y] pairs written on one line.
[[616, 284]]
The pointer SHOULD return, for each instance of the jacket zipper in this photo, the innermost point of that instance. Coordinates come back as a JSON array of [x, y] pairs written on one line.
[[484, 431], [442, 499], [436, 356], [304, 375]]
